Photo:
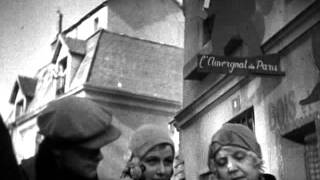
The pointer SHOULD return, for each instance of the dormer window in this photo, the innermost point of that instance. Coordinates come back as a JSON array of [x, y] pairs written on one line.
[[19, 108], [61, 76]]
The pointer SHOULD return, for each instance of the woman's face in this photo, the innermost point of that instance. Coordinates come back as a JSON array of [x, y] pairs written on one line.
[[158, 163], [235, 163]]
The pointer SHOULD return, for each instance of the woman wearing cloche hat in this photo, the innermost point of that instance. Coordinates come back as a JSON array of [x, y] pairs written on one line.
[[234, 153], [152, 154]]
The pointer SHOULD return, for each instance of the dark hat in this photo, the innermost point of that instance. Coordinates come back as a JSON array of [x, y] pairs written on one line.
[[268, 176], [78, 121], [146, 137], [235, 135]]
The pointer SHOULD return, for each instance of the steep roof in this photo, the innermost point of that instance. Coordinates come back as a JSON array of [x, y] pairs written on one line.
[[27, 86], [144, 66]]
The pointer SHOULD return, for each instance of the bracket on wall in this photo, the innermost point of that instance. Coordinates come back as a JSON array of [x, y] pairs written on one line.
[[298, 135]]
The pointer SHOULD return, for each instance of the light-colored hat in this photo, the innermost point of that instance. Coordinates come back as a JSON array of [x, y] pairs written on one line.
[[146, 137], [78, 121]]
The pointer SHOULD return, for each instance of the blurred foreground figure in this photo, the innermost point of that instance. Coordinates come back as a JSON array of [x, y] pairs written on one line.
[[234, 153], [74, 130], [8, 164], [152, 154]]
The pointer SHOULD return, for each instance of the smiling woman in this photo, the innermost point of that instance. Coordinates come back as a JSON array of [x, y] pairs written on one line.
[[152, 154], [8, 163]]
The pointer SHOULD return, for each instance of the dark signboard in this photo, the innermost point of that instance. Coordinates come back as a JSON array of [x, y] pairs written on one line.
[[261, 65]]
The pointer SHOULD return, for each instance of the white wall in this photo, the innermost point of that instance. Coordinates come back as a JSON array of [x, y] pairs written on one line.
[[86, 28], [24, 140]]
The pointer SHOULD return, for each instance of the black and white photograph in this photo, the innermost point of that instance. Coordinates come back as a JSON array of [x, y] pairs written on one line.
[[160, 89]]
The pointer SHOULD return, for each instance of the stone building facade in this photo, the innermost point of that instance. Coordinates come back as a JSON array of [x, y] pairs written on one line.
[[282, 110]]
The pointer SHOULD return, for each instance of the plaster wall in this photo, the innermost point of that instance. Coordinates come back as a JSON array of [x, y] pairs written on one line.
[[262, 20], [277, 13], [24, 140], [190, 151], [86, 28], [154, 20], [160, 21], [277, 111]]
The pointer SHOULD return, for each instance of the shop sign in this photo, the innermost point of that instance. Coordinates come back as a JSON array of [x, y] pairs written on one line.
[[260, 65]]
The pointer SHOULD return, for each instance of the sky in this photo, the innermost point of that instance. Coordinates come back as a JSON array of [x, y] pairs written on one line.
[[27, 27]]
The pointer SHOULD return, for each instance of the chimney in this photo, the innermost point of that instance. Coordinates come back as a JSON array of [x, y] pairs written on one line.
[[59, 23], [59, 30]]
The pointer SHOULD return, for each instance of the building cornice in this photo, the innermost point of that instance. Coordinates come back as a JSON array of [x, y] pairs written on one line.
[[113, 97], [295, 29], [26, 117], [125, 99]]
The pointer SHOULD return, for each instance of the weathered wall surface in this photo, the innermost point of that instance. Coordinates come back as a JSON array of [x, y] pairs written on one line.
[[159, 21], [262, 19], [154, 20], [277, 101]]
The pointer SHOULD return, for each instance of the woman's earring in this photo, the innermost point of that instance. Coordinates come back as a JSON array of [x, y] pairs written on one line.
[[136, 168]]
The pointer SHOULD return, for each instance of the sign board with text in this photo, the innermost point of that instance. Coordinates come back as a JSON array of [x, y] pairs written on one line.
[[260, 65]]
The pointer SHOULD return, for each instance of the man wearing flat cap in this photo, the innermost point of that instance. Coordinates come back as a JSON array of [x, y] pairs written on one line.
[[8, 163], [74, 130], [235, 154]]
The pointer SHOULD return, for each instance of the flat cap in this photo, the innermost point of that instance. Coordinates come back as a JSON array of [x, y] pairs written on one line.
[[78, 121]]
